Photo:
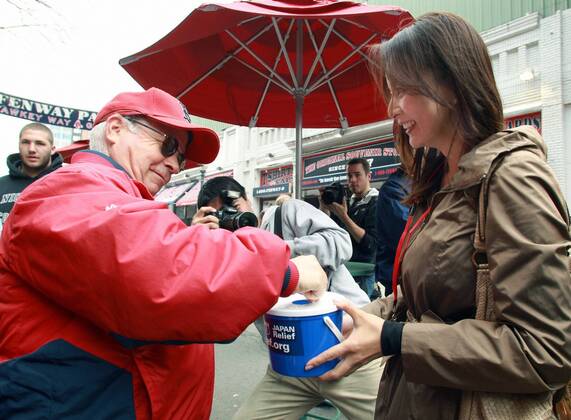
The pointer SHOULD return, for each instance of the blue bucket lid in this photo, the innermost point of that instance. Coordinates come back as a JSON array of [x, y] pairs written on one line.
[[297, 305]]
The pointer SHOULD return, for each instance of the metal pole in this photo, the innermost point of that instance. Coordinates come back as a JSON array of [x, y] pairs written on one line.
[[202, 172], [299, 94]]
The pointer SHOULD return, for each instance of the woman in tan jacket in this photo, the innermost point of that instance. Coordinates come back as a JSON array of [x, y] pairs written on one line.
[[437, 78]]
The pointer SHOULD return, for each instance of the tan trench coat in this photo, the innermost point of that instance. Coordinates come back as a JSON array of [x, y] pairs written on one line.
[[528, 350]]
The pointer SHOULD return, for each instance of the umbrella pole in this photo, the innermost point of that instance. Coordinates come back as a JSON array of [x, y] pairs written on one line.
[[298, 139], [298, 94]]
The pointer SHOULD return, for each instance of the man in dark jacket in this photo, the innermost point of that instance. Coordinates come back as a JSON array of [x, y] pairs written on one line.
[[358, 218], [35, 159], [391, 220]]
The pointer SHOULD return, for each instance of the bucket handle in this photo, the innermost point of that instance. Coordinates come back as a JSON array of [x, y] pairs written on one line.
[[331, 325]]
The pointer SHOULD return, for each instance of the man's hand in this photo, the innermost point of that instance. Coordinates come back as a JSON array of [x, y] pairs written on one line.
[[312, 279], [339, 210], [204, 217], [362, 345], [322, 206]]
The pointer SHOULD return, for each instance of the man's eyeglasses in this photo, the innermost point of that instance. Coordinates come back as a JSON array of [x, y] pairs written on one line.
[[169, 144]]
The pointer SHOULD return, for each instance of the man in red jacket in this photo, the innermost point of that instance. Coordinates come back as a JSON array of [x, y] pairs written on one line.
[[109, 303]]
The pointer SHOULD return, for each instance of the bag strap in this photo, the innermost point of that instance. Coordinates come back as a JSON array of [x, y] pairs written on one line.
[[278, 222], [484, 296]]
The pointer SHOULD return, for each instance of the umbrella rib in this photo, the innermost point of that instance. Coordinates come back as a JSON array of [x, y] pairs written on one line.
[[323, 81], [254, 119], [358, 25], [258, 59], [319, 52], [265, 76], [284, 51], [319, 56], [252, 19], [344, 39], [219, 65], [328, 74]]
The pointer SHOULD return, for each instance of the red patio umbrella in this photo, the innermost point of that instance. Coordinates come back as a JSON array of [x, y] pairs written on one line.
[[292, 63]]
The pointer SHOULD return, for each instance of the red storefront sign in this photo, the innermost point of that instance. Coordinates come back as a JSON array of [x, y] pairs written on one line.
[[533, 119], [275, 176]]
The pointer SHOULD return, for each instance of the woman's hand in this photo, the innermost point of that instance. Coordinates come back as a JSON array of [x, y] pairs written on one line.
[[346, 325], [362, 345], [204, 216]]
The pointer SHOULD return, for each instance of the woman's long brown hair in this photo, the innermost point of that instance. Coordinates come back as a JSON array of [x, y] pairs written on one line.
[[439, 49]]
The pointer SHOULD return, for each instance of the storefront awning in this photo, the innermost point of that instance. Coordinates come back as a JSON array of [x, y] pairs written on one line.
[[172, 194], [190, 196]]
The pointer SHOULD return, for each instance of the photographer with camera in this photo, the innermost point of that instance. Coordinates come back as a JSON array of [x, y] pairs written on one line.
[[357, 218], [226, 207]]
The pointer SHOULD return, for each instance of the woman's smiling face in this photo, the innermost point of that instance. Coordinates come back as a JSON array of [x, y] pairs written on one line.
[[426, 122]]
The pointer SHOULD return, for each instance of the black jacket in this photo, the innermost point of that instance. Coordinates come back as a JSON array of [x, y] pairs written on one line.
[[13, 184], [391, 220], [362, 212]]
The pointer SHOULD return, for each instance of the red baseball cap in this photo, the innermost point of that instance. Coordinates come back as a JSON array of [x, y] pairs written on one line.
[[160, 106]]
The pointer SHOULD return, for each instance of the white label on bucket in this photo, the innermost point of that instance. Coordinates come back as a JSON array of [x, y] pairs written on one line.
[[283, 337]]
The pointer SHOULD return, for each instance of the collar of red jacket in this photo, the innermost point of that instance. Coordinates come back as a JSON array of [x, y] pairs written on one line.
[[93, 156]]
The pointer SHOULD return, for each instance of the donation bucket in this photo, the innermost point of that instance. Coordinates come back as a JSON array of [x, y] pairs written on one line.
[[298, 330]]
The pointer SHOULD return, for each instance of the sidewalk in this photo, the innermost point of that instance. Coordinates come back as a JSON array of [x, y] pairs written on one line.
[[239, 367]]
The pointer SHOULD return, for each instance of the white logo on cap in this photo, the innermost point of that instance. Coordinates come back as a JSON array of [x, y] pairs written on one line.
[[186, 114]]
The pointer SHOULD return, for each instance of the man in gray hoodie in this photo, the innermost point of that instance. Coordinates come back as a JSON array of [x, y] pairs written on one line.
[[309, 231]]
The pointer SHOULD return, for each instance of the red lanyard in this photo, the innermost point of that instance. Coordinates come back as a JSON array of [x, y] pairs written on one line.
[[400, 251]]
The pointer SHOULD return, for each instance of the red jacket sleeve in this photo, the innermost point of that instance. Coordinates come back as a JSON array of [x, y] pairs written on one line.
[[129, 265]]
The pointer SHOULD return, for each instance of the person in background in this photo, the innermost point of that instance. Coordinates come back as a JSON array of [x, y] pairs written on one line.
[[36, 158], [446, 347], [307, 231], [391, 216], [110, 303], [282, 198], [358, 218]]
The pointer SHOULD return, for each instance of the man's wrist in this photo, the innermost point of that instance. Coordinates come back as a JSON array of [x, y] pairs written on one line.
[[325, 210], [291, 280], [344, 217]]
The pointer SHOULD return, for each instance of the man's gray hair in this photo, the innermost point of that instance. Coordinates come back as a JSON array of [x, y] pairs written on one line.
[[97, 136]]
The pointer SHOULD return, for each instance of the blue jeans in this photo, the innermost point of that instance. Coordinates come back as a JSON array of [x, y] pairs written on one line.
[[367, 283]]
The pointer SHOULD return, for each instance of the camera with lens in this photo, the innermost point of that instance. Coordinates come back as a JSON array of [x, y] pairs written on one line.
[[333, 193], [229, 217]]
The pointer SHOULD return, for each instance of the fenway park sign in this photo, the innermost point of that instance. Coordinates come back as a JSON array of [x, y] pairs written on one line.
[[41, 112]]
